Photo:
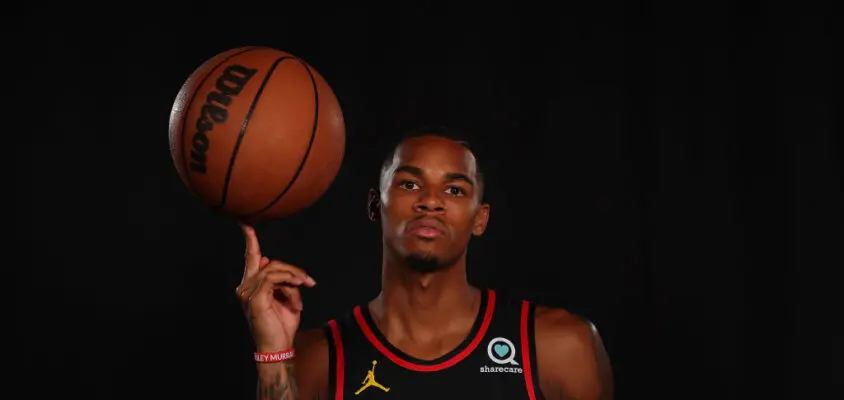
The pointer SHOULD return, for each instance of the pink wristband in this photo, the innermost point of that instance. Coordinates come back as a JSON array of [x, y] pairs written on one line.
[[275, 356]]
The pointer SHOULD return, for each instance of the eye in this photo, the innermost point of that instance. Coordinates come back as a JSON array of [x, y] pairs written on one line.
[[408, 185], [456, 191]]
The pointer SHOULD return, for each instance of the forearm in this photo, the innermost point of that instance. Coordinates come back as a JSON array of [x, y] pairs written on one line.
[[276, 382]]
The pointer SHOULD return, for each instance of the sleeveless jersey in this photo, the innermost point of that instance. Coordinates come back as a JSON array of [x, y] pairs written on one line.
[[497, 360]]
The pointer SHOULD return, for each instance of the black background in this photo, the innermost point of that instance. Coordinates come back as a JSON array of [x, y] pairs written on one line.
[[672, 172]]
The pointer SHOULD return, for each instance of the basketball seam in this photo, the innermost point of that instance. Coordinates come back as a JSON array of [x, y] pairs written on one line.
[[243, 128], [186, 122], [307, 151]]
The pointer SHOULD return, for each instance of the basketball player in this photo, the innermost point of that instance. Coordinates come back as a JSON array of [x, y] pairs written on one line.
[[431, 334]]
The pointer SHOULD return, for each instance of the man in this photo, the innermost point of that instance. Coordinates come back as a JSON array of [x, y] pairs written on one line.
[[430, 332]]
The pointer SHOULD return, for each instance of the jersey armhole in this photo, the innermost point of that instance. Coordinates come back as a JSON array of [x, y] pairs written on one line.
[[528, 335], [335, 359]]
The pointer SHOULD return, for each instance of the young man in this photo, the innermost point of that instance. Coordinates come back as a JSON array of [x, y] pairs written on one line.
[[429, 332]]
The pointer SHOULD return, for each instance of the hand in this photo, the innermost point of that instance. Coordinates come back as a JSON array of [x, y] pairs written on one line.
[[270, 295]]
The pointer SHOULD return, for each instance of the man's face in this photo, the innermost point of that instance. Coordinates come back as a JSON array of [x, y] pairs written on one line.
[[430, 205]]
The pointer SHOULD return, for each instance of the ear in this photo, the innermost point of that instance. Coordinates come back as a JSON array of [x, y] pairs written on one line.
[[373, 205], [481, 220]]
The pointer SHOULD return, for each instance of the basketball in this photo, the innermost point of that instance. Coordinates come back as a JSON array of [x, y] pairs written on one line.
[[257, 133]]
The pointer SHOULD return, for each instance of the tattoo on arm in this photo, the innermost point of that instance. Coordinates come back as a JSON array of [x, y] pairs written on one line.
[[279, 386]]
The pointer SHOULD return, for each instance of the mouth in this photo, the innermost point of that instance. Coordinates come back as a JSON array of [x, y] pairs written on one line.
[[425, 229]]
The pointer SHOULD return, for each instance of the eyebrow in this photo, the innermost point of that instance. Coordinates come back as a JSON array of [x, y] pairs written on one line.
[[451, 176]]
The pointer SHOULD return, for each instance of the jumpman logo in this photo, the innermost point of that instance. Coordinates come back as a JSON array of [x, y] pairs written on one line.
[[370, 380]]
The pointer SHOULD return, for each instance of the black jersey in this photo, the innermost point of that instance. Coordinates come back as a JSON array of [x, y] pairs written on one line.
[[497, 360]]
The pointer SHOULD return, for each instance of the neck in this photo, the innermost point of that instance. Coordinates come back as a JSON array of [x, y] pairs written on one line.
[[419, 306]]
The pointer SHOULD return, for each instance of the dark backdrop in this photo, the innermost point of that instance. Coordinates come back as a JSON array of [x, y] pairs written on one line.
[[672, 173]]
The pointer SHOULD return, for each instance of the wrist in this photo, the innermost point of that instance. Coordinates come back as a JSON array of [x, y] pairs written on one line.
[[274, 356], [273, 347]]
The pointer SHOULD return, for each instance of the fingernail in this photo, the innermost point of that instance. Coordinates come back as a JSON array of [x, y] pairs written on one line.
[[311, 281]]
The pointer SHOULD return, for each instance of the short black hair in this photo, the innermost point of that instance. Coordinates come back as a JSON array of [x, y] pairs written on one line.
[[443, 131]]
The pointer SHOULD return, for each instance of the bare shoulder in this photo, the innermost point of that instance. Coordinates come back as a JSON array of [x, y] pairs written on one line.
[[561, 327], [311, 364], [571, 360]]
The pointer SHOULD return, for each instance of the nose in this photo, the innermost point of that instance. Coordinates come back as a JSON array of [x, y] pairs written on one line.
[[429, 201]]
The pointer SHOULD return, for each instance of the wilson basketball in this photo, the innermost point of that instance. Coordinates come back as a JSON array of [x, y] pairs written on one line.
[[257, 133]]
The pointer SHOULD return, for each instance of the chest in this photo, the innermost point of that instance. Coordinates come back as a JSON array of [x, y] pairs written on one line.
[[496, 360], [474, 377]]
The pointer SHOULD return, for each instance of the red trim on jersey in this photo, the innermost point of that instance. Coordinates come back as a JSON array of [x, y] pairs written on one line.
[[338, 347], [528, 373], [490, 307]]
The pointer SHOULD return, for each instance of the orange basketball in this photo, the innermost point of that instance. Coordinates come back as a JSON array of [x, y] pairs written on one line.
[[257, 133]]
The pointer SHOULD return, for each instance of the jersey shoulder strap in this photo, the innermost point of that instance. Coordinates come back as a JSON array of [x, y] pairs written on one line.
[[514, 317]]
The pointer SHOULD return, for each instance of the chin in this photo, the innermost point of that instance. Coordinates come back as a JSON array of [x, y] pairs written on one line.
[[424, 262], [422, 256]]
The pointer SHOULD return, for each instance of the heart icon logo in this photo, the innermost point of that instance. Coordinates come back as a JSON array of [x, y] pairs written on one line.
[[501, 350]]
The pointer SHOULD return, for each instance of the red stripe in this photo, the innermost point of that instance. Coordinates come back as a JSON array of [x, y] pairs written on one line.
[[338, 347], [526, 350], [490, 307]]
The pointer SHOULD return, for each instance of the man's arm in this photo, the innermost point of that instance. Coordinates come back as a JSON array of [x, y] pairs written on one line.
[[572, 362], [303, 378]]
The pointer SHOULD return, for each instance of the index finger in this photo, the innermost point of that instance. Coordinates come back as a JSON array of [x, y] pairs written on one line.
[[253, 249]]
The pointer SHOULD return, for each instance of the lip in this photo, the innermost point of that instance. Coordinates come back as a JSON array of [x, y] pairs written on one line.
[[426, 228]]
